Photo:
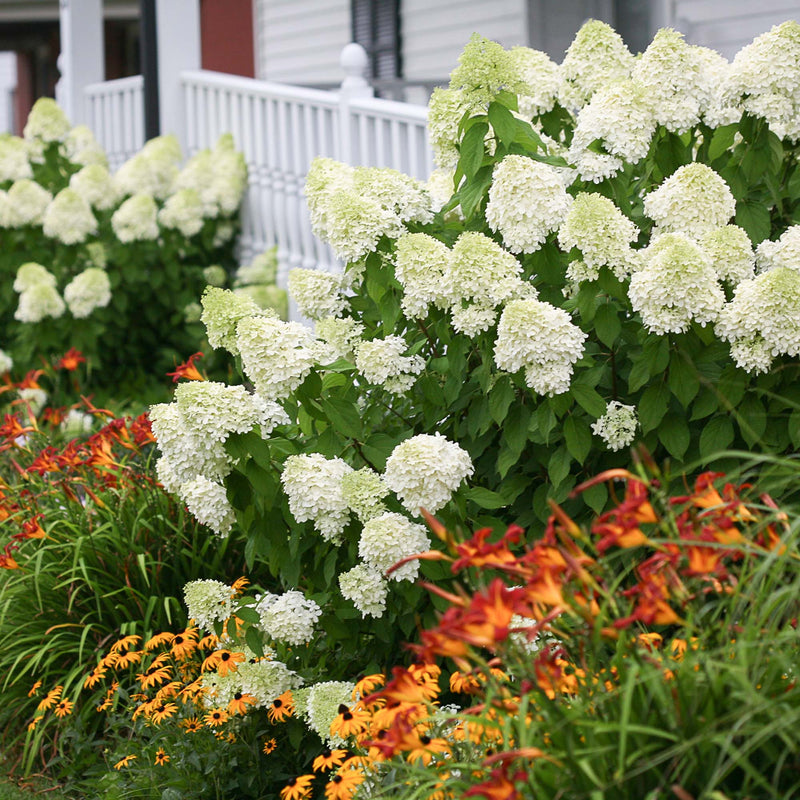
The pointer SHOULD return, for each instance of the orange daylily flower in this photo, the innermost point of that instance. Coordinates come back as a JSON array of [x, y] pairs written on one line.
[[188, 370], [70, 360]]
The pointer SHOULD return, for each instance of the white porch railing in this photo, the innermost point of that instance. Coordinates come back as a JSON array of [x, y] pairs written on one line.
[[115, 113], [280, 129]]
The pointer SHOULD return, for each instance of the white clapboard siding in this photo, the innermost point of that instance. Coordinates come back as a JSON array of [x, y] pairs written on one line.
[[729, 25], [299, 41], [434, 33], [281, 129]]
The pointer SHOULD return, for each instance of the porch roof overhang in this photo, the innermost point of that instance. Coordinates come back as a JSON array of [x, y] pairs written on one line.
[[42, 11]]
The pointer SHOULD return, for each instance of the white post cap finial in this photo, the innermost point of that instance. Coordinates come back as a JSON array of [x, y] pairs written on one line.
[[355, 61]]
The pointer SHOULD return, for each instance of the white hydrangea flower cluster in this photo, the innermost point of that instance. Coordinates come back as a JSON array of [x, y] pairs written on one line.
[[290, 617], [14, 164], [69, 218], [676, 286], [621, 116], [763, 79], [540, 80], [617, 427], [222, 312], [136, 220], [785, 252], [485, 69], [218, 176], [207, 502], [731, 253], [527, 202], [441, 187], [76, 422], [351, 208], [80, 147], [38, 296], [208, 601], [27, 202], [381, 362], [425, 470], [183, 212], [338, 337], [46, 122], [266, 680], [87, 291], [715, 108], [216, 409], [318, 294], [480, 276], [321, 707], [603, 234], [366, 589], [542, 339], [313, 485], [692, 201], [671, 72], [152, 171], [96, 186], [446, 107], [6, 363], [420, 264], [276, 355], [387, 539], [596, 58], [762, 321], [363, 491]]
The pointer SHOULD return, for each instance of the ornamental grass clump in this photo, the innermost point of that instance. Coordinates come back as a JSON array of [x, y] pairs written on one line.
[[126, 253]]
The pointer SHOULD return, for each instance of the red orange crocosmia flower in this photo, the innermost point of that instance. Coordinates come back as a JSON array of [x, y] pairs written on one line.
[[188, 370], [404, 687], [477, 552], [499, 786], [70, 360]]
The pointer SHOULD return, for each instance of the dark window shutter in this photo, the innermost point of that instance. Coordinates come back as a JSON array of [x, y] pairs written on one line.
[[376, 27]]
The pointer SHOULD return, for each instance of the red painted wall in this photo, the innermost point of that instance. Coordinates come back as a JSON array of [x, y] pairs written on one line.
[[226, 36]]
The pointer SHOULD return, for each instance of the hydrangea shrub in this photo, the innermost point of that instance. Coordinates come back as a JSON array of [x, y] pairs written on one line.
[[608, 256], [106, 262]]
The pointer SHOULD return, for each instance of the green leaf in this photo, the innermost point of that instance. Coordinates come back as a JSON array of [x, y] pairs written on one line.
[[344, 416], [656, 351], [485, 498], [472, 149], [705, 405], [503, 123], [751, 418], [754, 218], [673, 432], [716, 436], [248, 614], [500, 398], [545, 421], [558, 465], [471, 195], [607, 324], [595, 497], [721, 141], [683, 380], [653, 406], [639, 374], [794, 427], [578, 438], [588, 399]]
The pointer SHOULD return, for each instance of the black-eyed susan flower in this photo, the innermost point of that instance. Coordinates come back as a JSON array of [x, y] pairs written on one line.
[[162, 757], [224, 661], [329, 759], [281, 707], [269, 746], [216, 717], [125, 643], [367, 685], [154, 677], [63, 708], [162, 712], [124, 762], [34, 722], [239, 702], [165, 637], [343, 784], [350, 721], [191, 724], [128, 659], [35, 688], [297, 788], [94, 677], [50, 699], [184, 644]]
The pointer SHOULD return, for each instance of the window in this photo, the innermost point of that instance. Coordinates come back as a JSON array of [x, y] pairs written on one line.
[[376, 27]]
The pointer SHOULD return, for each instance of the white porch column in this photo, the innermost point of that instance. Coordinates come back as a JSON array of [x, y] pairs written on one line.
[[178, 42], [82, 58]]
